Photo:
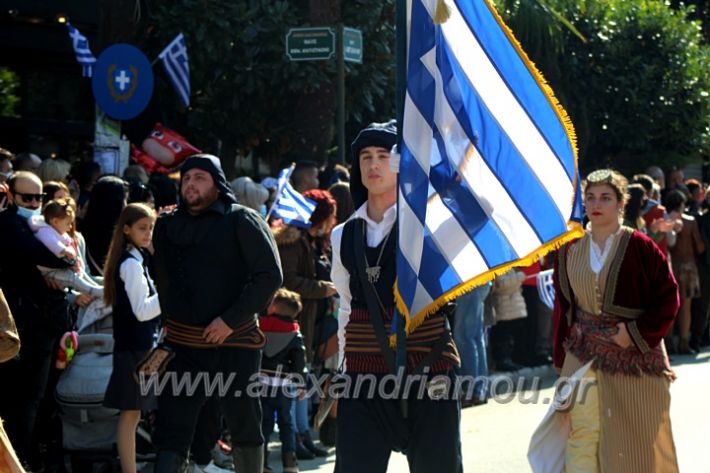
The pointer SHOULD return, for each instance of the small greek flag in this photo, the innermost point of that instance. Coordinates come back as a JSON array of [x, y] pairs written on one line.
[[545, 288], [291, 206], [488, 174], [81, 50], [174, 58]]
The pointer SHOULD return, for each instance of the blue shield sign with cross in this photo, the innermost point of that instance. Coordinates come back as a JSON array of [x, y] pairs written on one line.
[[122, 81]]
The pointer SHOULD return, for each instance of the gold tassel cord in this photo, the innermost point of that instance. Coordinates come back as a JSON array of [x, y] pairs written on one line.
[[442, 12]]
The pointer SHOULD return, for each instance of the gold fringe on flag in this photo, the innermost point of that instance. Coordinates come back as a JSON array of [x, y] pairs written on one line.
[[576, 231]]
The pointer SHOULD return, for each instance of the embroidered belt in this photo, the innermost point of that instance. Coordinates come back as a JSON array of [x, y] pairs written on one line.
[[245, 335], [590, 339], [364, 353]]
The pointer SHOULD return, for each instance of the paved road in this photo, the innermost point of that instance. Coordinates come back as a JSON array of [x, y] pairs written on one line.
[[495, 436]]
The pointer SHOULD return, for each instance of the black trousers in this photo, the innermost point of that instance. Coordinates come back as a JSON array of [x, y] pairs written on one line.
[[207, 432], [178, 409], [370, 429]]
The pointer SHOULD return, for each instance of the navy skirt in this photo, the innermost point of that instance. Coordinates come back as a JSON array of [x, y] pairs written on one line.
[[123, 392]]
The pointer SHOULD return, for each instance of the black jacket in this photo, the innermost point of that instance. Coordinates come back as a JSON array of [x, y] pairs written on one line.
[[285, 352], [32, 302], [221, 263]]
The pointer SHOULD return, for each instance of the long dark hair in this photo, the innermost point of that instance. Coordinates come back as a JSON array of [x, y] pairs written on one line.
[[108, 197], [632, 211], [130, 215], [341, 193]]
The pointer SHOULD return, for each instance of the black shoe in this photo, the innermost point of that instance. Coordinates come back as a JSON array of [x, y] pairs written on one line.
[[302, 453], [312, 447]]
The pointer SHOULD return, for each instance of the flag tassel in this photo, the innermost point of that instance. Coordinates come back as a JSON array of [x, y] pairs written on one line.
[[442, 12]]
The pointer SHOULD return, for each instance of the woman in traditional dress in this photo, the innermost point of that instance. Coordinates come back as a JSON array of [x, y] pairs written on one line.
[[616, 299]]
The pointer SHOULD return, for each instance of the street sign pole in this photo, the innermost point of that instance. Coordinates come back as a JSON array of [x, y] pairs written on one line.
[[341, 95], [321, 43]]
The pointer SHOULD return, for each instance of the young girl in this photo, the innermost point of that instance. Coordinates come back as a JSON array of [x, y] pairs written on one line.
[[129, 289], [54, 228]]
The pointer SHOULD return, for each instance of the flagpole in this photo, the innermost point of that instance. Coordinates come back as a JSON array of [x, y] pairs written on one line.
[[401, 58], [400, 93]]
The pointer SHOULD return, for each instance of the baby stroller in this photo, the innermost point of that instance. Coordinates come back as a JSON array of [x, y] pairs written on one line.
[[89, 428]]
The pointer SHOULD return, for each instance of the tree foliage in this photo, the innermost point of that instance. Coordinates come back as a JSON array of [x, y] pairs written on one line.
[[245, 92], [9, 85], [637, 90]]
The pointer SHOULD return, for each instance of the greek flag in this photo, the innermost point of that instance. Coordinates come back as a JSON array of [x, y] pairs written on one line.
[[545, 288], [488, 172], [81, 50], [174, 58], [290, 205]]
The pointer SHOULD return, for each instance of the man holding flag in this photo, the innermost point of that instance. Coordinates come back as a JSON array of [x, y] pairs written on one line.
[[370, 428], [488, 180]]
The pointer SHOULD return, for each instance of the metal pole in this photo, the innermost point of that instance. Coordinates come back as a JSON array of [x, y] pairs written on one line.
[[401, 55], [401, 86], [341, 93]]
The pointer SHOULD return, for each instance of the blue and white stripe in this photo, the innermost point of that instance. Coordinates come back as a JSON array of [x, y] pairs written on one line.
[[176, 64], [488, 172], [290, 205], [546, 288], [81, 50]]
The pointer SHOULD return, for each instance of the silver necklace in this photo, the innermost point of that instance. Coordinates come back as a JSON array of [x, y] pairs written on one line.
[[373, 272]]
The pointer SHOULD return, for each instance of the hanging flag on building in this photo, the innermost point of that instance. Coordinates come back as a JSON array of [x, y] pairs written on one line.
[[488, 175], [290, 205], [81, 50], [177, 67]]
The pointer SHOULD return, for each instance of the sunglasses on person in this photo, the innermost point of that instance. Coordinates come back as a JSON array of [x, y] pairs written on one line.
[[29, 197]]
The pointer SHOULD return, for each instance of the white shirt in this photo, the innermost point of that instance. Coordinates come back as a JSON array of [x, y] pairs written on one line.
[[376, 232], [597, 254], [144, 306]]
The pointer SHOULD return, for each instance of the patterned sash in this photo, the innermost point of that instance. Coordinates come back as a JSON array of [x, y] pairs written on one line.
[[245, 335], [590, 339]]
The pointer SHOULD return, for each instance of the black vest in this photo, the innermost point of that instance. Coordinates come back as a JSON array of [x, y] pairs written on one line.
[[128, 332], [388, 271], [363, 351]]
